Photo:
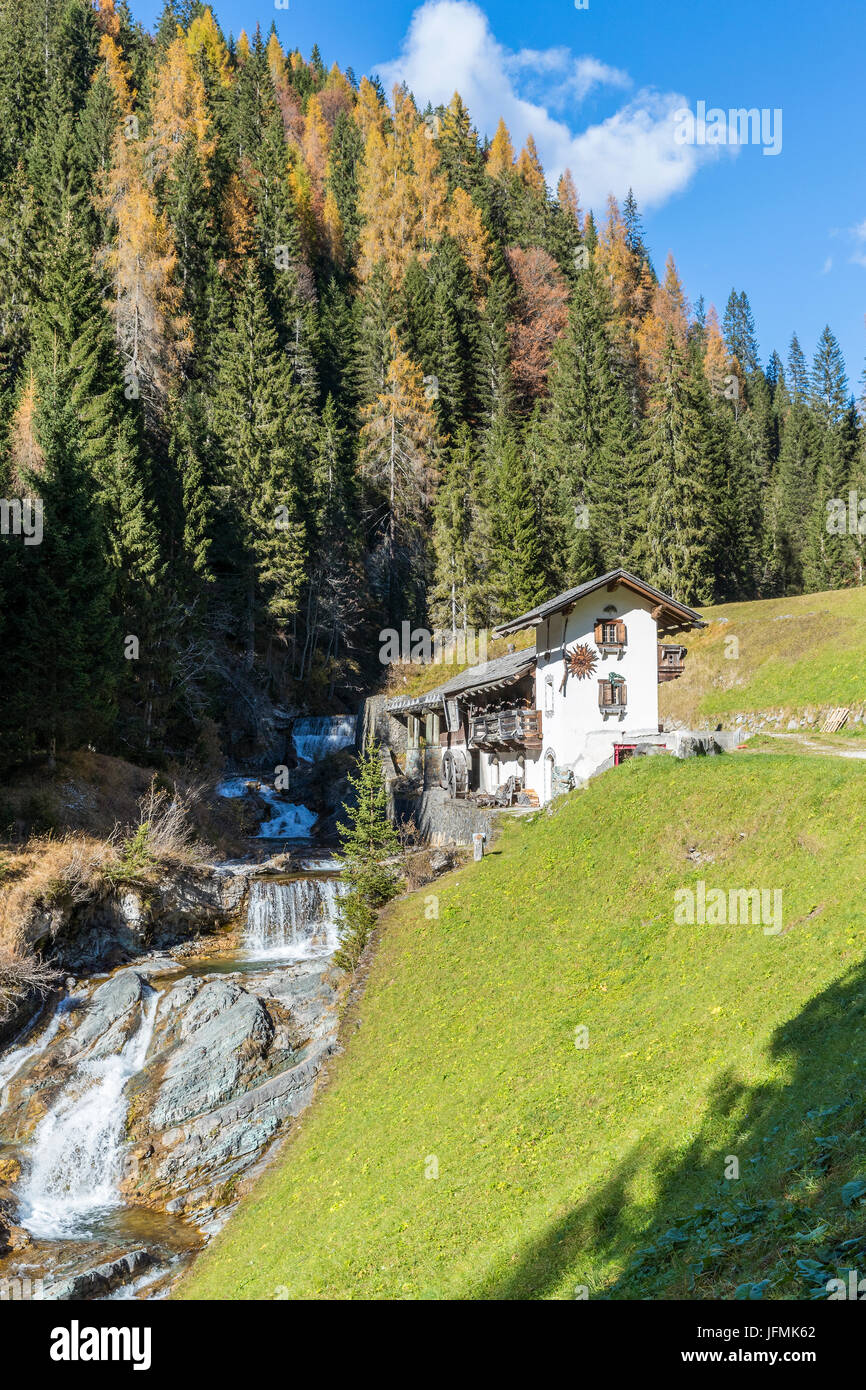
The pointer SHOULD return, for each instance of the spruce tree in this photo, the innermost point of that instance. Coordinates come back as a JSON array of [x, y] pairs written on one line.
[[368, 840], [592, 445], [681, 542], [517, 568], [256, 416], [66, 647], [456, 554]]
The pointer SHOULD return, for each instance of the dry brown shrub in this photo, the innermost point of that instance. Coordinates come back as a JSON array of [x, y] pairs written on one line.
[[22, 973]]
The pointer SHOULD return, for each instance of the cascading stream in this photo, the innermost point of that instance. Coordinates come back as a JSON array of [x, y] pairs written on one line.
[[315, 738], [77, 1155], [11, 1064], [297, 919]]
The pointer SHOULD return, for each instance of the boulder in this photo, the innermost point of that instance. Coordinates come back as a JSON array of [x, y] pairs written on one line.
[[113, 1015], [223, 1032], [97, 1282]]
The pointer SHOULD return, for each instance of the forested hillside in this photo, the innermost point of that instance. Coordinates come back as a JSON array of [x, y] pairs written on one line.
[[287, 360]]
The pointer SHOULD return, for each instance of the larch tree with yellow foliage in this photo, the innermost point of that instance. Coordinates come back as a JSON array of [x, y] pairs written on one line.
[[529, 169], [669, 315], [177, 112], [500, 156]]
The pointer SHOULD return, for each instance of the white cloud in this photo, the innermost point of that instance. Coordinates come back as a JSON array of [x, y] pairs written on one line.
[[450, 47], [828, 266], [576, 76], [857, 234]]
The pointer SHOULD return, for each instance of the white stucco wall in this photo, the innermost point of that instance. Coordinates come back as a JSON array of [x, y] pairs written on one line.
[[493, 777], [577, 733]]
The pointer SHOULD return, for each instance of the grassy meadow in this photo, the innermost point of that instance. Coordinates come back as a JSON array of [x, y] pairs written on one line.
[[468, 1147]]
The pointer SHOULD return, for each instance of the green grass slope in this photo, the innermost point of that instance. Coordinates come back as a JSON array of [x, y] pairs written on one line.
[[557, 1164], [793, 654]]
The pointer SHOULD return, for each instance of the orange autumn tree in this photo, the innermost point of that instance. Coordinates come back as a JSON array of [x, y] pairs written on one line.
[[669, 315], [178, 112], [404, 202], [500, 156], [629, 280], [465, 224], [315, 144], [718, 363], [541, 313], [429, 190], [151, 330], [529, 169], [107, 18], [369, 111], [566, 196], [25, 451]]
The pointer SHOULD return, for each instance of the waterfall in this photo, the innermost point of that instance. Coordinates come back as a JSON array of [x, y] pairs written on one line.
[[297, 919], [288, 822], [11, 1064], [77, 1156], [315, 738]]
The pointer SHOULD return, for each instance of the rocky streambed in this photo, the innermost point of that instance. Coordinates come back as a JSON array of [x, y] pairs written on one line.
[[142, 1101]]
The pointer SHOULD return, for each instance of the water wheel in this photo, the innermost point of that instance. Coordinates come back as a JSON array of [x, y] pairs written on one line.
[[454, 773]]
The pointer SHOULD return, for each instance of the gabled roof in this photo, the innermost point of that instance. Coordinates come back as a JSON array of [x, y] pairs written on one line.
[[505, 670], [675, 616]]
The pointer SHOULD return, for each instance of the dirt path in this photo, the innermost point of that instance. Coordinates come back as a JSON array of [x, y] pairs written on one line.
[[804, 743]]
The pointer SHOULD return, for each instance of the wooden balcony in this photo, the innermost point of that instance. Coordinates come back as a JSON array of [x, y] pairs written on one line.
[[506, 728]]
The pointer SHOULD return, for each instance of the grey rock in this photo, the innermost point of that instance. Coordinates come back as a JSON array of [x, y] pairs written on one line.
[[95, 1283], [222, 1032], [112, 1016]]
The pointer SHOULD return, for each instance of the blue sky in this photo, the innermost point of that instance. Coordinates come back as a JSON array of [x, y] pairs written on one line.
[[600, 86]]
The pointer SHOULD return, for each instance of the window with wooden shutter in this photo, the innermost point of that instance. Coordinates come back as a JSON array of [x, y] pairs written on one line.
[[610, 632], [612, 694]]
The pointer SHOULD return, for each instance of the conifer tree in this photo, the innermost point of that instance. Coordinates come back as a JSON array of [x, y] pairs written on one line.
[[368, 841], [346, 151], [681, 547], [459, 148], [500, 156], [456, 551], [592, 446], [739, 326], [398, 459], [516, 567], [254, 411], [67, 647]]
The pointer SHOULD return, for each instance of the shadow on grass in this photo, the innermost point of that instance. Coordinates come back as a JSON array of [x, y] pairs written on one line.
[[706, 1236]]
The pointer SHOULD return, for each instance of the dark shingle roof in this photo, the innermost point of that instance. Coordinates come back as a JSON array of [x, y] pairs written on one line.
[[631, 581], [506, 668]]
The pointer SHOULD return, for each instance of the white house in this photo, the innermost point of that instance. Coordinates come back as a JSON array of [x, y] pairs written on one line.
[[538, 720]]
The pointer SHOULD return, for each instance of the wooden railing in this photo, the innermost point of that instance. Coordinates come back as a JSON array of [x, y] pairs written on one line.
[[504, 727]]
